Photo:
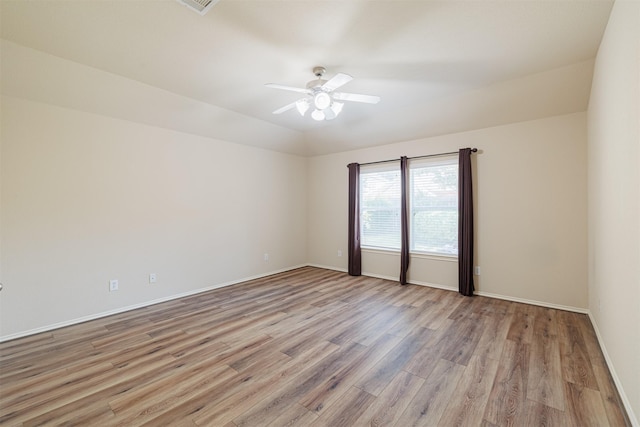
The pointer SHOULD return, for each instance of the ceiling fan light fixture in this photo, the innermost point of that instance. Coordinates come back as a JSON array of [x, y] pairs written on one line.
[[333, 111], [329, 114], [336, 107], [321, 100], [302, 106], [317, 115]]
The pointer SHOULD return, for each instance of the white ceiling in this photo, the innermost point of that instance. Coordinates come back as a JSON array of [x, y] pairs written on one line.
[[439, 66]]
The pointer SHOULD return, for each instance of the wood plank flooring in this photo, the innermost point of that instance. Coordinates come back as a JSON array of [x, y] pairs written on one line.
[[313, 347]]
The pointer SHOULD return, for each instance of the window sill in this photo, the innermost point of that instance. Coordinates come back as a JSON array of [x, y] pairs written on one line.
[[435, 257], [380, 251], [419, 255]]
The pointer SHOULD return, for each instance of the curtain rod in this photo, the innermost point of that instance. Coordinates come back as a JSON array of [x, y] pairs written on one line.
[[473, 150]]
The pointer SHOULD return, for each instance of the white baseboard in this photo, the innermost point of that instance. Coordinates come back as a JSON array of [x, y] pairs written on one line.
[[433, 285], [455, 289], [381, 276], [625, 400], [140, 305], [534, 302], [328, 267]]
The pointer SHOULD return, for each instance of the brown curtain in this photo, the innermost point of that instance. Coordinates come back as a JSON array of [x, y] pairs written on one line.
[[465, 223], [404, 220], [355, 261]]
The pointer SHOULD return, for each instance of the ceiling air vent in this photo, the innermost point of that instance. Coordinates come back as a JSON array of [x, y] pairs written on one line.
[[199, 6]]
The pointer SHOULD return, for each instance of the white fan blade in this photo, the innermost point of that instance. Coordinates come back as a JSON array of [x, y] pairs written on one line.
[[285, 108], [289, 88], [356, 97], [336, 81]]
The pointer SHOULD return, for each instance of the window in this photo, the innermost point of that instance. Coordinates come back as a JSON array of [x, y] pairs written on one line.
[[433, 198], [380, 207], [433, 203]]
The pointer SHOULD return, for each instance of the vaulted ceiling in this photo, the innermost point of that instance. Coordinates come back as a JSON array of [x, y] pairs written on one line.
[[439, 66]]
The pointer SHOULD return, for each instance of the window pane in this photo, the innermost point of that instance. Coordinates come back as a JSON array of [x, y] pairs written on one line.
[[380, 208], [434, 207]]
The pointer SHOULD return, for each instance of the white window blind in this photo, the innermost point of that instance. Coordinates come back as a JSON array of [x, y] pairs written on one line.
[[434, 206], [380, 206]]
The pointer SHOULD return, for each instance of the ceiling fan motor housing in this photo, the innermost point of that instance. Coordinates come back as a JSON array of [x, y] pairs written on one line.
[[316, 83]]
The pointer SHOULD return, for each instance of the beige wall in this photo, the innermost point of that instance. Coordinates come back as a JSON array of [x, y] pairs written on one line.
[[614, 198], [88, 198], [530, 201]]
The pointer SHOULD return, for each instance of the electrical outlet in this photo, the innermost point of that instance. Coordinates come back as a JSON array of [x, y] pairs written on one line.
[[339, 252], [113, 285], [266, 257], [476, 270], [152, 278]]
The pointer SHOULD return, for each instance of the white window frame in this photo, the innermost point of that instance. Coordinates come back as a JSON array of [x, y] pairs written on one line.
[[369, 169], [395, 166], [426, 163]]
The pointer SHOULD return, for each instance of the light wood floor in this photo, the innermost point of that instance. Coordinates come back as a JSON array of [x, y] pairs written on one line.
[[314, 347]]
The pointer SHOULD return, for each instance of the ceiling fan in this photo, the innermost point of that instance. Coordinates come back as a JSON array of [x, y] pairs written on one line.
[[321, 97]]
